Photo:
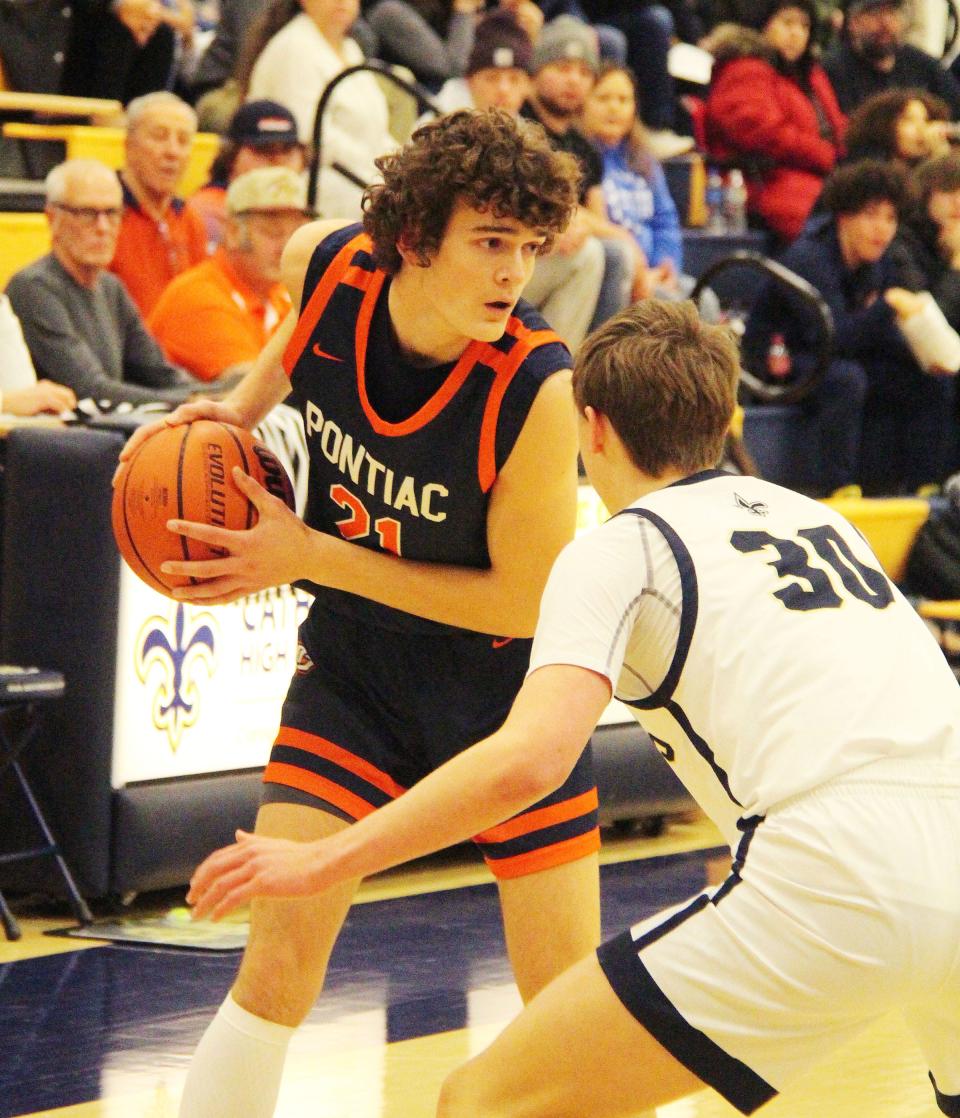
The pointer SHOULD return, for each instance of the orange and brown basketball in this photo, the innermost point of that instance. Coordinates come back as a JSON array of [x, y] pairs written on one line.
[[186, 473]]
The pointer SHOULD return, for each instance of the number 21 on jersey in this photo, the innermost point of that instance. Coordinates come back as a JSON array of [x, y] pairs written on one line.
[[356, 524]]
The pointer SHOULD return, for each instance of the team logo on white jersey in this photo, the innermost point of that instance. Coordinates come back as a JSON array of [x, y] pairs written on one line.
[[758, 508]]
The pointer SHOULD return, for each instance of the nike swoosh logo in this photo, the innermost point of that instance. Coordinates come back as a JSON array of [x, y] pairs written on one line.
[[499, 642], [323, 353]]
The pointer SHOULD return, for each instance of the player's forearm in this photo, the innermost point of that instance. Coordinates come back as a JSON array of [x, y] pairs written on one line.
[[484, 601], [266, 384], [529, 757], [475, 791]]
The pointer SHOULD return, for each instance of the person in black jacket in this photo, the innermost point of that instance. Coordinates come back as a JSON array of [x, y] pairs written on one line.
[[926, 250], [871, 55], [883, 423]]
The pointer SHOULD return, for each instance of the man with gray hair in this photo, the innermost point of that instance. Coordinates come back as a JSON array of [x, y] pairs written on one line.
[[80, 325], [160, 236]]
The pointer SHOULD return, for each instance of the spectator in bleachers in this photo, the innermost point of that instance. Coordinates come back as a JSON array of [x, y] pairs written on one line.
[[216, 318], [883, 423], [123, 49], [566, 282], [81, 327], [611, 42], [432, 38], [159, 236], [33, 44], [771, 111], [871, 54], [497, 71], [908, 125], [20, 392], [260, 134], [634, 186], [291, 57], [565, 64], [648, 29], [219, 61], [926, 250]]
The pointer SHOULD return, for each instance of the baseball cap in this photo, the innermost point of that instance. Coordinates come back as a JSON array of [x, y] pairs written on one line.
[[263, 122], [499, 43], [267, 188], [563, 39]]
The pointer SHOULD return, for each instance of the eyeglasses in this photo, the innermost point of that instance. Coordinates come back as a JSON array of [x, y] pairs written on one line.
[[87, 215]]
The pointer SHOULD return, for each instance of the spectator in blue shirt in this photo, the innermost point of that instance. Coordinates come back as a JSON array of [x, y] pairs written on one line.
[[634, 186]]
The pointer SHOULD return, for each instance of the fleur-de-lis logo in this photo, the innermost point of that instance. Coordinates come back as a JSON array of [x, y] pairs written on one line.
[[178, 655]]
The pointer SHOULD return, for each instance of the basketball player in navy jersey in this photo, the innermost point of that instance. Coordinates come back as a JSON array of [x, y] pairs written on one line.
[[442, 486], [797, 694]]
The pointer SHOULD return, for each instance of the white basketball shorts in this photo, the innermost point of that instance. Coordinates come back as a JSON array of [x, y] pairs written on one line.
[[843, 903]]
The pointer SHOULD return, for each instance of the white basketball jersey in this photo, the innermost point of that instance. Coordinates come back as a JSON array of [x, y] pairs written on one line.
[[756, 638]]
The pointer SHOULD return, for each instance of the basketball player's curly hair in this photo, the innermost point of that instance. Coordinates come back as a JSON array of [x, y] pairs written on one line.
[[490, 160]]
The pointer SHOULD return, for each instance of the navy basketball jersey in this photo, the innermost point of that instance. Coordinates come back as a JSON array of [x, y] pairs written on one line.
[[412, 478]]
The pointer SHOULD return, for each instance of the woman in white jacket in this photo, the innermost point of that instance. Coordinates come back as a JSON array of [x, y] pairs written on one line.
[[291, 55]]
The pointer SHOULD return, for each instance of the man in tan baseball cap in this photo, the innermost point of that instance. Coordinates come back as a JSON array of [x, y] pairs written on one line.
[[216, 317]]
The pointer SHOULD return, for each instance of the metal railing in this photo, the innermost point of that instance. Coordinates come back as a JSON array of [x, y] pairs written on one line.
[[417, 91], [788, 391]]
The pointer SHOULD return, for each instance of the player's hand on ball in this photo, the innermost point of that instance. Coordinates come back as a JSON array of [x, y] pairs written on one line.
[[254, 866], [185, 413], [271, 553]]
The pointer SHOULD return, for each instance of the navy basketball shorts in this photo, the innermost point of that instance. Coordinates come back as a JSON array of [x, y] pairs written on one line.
[[843, 904], [371, 711]]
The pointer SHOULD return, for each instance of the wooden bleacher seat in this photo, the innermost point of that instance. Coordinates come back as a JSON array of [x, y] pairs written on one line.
[[24, 237]]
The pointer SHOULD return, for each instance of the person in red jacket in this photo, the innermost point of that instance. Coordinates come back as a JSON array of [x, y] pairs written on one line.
[[772, 111]]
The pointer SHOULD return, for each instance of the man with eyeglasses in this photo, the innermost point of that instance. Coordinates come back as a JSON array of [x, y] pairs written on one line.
[[81, 327]]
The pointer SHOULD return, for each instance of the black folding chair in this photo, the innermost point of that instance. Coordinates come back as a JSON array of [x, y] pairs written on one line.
[[23, 693]]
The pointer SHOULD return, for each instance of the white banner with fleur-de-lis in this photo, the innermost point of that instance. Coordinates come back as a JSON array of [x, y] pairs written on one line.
[[199, 689]]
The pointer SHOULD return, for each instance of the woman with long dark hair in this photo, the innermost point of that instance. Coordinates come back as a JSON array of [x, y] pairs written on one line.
[[909, 125], [772, 111]]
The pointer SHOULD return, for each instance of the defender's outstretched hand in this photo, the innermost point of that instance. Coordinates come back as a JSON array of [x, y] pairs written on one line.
[[254, 866]]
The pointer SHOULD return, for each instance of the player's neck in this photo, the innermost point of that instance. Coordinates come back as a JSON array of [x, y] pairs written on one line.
[[423, 335], [625, 487]]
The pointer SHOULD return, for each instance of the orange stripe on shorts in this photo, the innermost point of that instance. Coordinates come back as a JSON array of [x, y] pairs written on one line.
[[542, 818], [291, 776], [320, 747], [558, 854]]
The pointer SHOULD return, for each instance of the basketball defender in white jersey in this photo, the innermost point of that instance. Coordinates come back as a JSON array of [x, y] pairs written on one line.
[[799, 697]]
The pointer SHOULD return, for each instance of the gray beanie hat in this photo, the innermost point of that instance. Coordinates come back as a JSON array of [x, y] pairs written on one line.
[[563, 39]]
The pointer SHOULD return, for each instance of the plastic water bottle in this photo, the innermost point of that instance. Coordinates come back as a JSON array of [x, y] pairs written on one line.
[[735, 203], [778, 358], [716, 221]]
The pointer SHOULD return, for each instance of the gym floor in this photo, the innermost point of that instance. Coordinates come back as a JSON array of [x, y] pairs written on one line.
[[419, 981]]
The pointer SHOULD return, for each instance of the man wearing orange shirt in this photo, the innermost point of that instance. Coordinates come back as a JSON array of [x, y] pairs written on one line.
[[216, 317], [159, 235]]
